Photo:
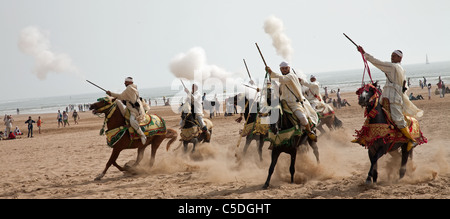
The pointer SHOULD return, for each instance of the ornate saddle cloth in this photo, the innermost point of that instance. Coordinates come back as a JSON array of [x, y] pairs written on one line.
[[151, 125], [255, 128], [286, 136], [193, 132], [369, 133]]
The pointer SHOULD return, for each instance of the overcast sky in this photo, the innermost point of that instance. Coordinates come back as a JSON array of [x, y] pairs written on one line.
[[108, 40]]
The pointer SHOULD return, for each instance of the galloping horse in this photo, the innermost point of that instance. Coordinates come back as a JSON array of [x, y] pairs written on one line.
[[252, 127], [379, 133], [114, 120], [331, 121], [285, 137], [190, 132]]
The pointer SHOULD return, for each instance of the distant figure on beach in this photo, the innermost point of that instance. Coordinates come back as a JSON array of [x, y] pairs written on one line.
[[39, 123], [30, 126], [339, 100], [17, 131], [429, 91], [18, 111], [59, 117], [75, 116], [8, 123], [66, 118]]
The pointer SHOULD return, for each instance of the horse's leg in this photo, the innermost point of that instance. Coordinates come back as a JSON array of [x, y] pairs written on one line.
[[185, 146], [373, 172], [195, 142], [313, 145], [405, 156], [275, 154], [260, 143], [140, 155], [293, 153], [155, 145], [248, 140], [112, 160]]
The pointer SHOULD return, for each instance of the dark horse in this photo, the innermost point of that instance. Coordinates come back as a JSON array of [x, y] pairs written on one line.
[[369, 97], [190, 128], [286, 122], [250, 117], [114, 119]]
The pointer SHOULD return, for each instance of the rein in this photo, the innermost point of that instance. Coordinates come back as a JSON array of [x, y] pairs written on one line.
[[111, 109]]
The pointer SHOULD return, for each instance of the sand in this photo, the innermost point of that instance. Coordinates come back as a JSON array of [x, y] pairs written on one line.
[[63, 162]]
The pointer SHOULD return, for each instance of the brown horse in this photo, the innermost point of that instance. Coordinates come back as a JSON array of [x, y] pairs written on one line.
[[114, 119]]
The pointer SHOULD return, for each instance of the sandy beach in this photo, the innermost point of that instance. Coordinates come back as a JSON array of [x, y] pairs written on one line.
[[63, 162]]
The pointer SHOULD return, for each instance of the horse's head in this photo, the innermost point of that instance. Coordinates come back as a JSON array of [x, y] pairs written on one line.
[[367, 94], [102, 105]]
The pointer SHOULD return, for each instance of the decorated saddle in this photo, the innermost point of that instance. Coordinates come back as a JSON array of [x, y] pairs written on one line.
[[188, 134], [369, 133], [290, 128], [151, 125], [255, 128]]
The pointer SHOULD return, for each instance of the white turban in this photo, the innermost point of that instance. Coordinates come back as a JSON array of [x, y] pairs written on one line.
[[312, 76], [284, 64], [398, 52], [129, 79]]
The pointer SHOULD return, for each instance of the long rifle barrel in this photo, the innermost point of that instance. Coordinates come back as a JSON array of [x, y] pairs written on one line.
[[247, 70], [261, 54], [96, 85], [350, 39]]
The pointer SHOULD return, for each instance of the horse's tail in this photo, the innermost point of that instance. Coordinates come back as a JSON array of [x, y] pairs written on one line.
[[172, 134], [337, 123]]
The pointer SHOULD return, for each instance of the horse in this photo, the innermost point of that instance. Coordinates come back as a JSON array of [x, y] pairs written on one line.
[[389, 139], [330, 120], [286, 125], [114, 120], [191, 132], [252, 127]]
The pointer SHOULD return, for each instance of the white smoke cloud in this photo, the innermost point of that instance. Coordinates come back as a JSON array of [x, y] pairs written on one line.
[[275, 28], [34, 42], [193, 65]]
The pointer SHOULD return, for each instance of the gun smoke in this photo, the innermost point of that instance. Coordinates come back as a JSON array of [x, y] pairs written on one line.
[[35, 42]]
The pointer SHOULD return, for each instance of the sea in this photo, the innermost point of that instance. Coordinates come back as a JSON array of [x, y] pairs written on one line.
[[346, 80]]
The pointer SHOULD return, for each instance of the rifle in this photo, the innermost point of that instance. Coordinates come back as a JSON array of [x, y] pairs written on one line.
[[261, 54], [247, 70], [350, 39], [96, 85]]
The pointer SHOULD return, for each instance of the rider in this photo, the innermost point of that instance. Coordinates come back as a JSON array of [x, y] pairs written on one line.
[[291, 92], [134, 105], [394, 90], [314, 97], [194, 98]]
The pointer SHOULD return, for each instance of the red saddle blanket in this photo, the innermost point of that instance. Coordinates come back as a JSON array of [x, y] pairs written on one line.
[[369, 133]]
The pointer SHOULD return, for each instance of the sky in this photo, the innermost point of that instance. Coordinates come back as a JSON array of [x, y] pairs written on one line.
[[108, 40]]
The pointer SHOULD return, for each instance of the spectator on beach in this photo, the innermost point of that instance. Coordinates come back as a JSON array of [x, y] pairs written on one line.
[[59, 117], [8, 123], [39, 123], [339, 100], [75, 116], [429, 91], [30, 126], [66, 118], [17, 131], [11, 135]]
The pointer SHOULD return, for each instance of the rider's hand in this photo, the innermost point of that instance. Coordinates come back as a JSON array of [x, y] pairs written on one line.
[[268, 70], [108, 93], [361, 50], [238, 120]]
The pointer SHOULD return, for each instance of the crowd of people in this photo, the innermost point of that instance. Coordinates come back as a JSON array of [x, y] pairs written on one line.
[[8, 133]]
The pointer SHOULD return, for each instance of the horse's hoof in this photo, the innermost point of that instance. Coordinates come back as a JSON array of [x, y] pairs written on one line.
[[265, 186], [99, 177]]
